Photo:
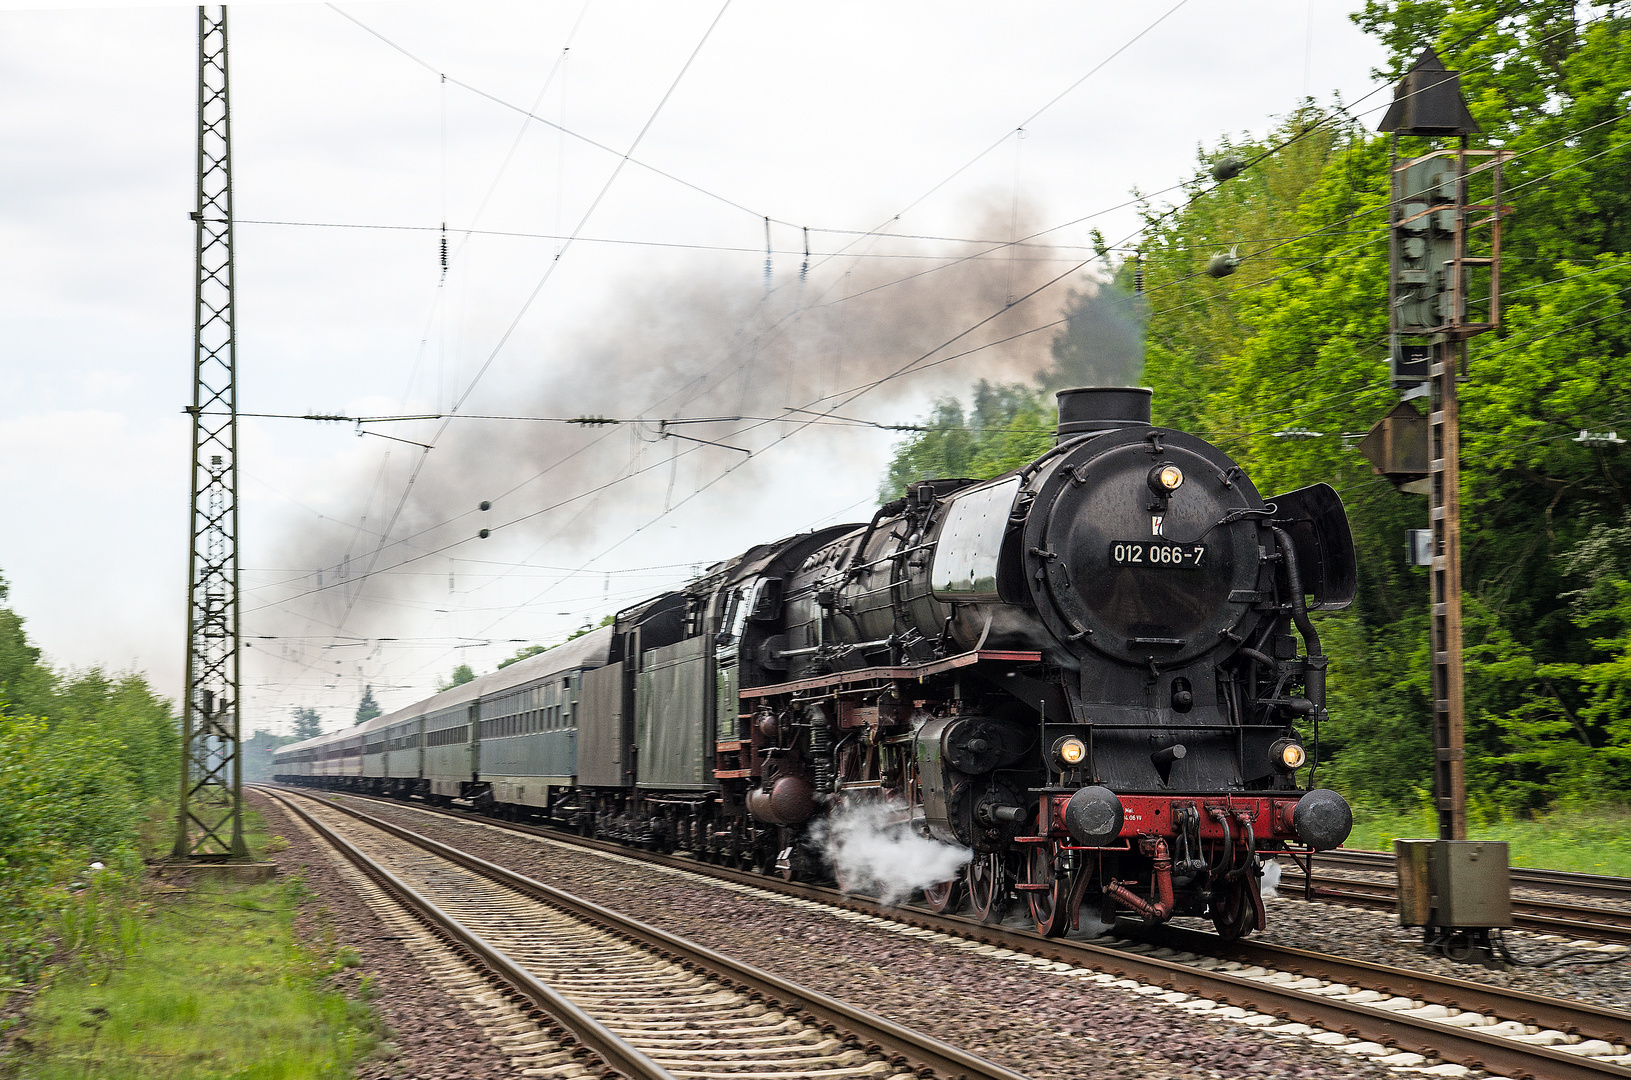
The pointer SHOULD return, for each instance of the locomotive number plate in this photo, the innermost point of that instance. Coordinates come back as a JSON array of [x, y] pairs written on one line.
[[1155, 553]]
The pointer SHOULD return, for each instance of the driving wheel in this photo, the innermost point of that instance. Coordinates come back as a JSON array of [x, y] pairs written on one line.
[[1050, 906], [942, 896], [987, 887]]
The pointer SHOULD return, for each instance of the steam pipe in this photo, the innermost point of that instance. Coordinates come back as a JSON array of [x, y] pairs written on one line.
[[1160, 884], [1314, 676], [1247, 650], [1222, 818], [1251, 845], [886, 509]]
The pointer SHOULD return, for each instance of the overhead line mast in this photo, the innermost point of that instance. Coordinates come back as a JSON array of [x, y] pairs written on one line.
[[209, 822]]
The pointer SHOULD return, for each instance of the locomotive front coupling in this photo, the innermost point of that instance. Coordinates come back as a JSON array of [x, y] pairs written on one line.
[[1096, 817]]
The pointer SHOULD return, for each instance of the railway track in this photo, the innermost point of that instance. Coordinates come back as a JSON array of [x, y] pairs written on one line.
[[1478, 1025], [649, 1005], [1536, 916], [1599, 886]]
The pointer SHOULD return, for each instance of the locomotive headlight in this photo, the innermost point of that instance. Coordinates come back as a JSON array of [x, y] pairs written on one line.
[[1165, 479], [1069, 752], [1288, 755]]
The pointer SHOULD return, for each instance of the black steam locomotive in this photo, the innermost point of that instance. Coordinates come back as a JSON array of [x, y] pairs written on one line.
[[1092, 673]]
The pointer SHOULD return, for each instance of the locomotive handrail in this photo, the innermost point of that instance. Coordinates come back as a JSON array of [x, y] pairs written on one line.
[[910, 671]]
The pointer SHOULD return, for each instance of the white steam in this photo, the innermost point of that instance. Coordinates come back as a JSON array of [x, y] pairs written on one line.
[[1091, 925], [871, 849], [1271, 880]]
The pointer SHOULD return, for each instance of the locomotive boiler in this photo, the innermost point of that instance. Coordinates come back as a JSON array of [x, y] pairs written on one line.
[[1095, 674]]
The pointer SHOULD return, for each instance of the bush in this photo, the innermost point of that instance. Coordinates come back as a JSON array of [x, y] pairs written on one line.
[[66, 801]]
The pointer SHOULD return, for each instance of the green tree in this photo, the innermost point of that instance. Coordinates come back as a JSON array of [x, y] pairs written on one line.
[[368, 708], [307, 723], [461, 675], [124, 709], [22, 679], [1007, 427], [82, 756], [521, 654]]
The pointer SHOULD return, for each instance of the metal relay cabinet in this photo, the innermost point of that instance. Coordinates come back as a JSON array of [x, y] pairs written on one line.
[[1453, 883]]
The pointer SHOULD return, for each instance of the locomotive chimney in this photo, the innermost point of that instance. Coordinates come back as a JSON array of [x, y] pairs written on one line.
[[1099, 408]]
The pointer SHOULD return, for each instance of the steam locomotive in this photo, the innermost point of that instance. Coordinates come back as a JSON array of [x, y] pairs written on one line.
[[1094, 674]]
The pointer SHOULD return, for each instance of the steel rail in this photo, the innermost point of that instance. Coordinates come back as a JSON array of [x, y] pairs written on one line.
[[1575, 1018], [1534, 916], [1462, 1046], [585, 1029], [1602, 886], [901, 1045]]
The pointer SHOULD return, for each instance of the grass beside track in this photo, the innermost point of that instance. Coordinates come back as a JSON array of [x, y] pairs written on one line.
[[1587, 841], [212, 983]]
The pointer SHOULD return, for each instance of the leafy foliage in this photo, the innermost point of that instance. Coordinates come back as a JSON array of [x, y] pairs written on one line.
[[522, 654], [534, 650], [1007, 428], [308, 724], [1296, 338], [461, 675], [82, 755]]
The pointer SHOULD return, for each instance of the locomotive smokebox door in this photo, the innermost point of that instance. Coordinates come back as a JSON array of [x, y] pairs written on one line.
[[1124, 552]]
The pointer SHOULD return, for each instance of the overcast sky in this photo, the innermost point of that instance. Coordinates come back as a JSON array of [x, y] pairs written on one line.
[[889, 131]]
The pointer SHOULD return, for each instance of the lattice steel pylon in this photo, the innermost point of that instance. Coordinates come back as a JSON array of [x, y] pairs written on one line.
[[209, 824]]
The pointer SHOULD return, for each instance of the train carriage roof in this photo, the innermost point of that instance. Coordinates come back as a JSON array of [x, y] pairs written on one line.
[[589, 650]]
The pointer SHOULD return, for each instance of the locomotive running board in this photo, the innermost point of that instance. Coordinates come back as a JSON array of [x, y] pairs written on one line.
[[887, 674]]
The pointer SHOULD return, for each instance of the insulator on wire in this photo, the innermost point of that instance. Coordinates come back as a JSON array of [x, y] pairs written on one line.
[[805, 269], [1223, 264], [767, 254], [444, 249], [1138, 273]]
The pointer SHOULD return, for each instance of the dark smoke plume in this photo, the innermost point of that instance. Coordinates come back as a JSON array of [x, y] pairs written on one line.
[[705, 343], [1102, 343]]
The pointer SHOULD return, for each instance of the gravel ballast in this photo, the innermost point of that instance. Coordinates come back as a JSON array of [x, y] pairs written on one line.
[[431, 1036], [1036, 1022], [1376, 936]]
